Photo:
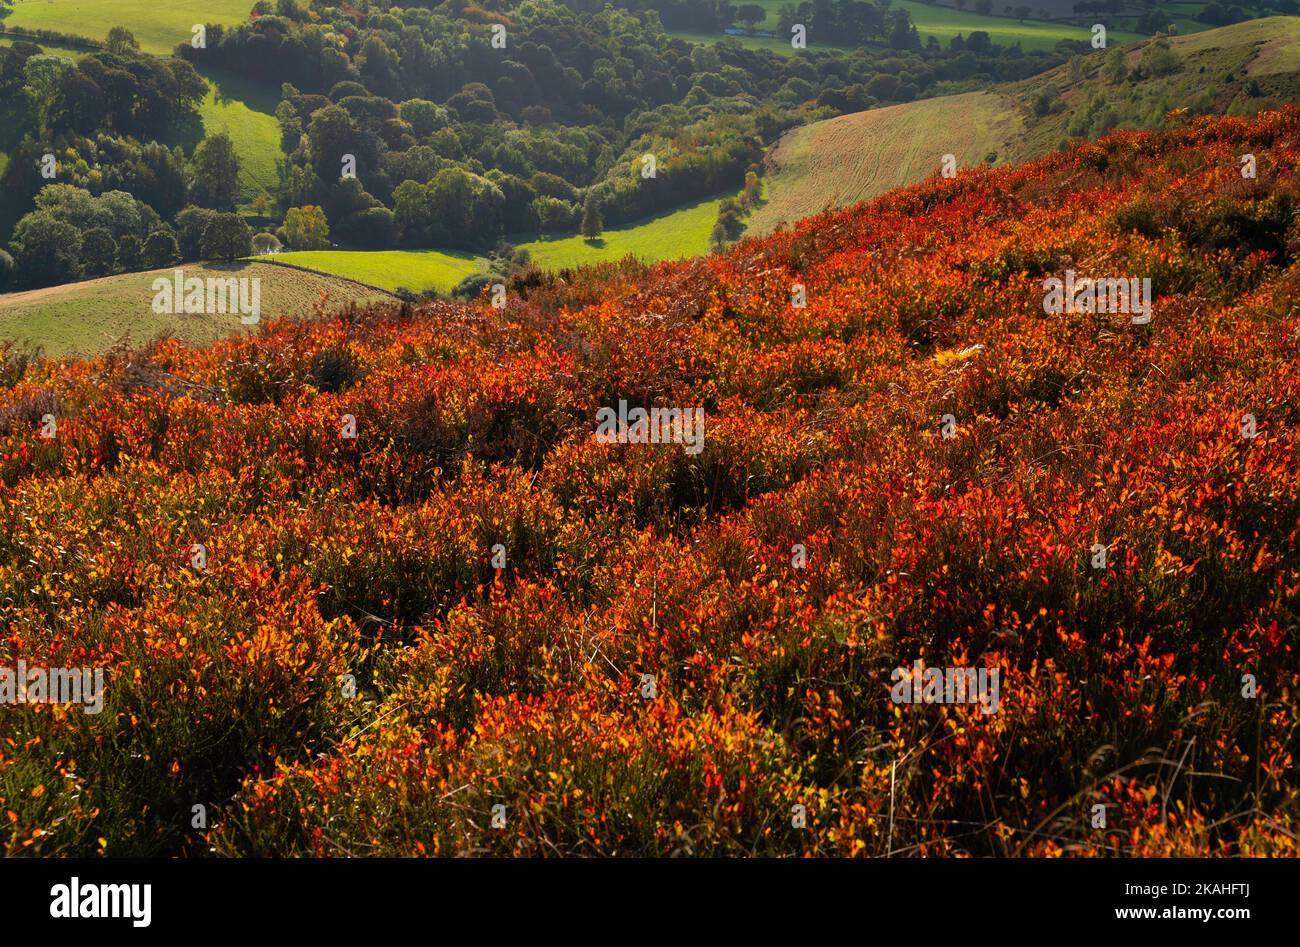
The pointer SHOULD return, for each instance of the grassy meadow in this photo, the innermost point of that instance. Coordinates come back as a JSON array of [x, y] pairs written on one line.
[[941, 22], [158, 25], [839, 161], [416, 270], [89, 317], [854, 157], [682, 233], [245, 110]]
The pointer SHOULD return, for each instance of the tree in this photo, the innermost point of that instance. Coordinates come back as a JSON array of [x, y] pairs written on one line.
[[424, 116], [592, 224], [98, 253], [374, 228], [160, 249], [750, 14], [216, 172], [904, 34], [130, 255], [1045, 100], [414, 212], [553, 215], [8, 271], [718, 238], [1116, 67], [290, 127], [46, 251], [76, 104], [1159, 59], [305, 228], [191, 223], [264, 243], [122, 41], [465, 209], [227, 238], [190, 86], [331, 134], [41, 75]]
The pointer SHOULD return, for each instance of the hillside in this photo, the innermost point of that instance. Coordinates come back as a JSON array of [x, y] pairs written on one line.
[[90, 317], [843, 160], [428, 589], [245, 111], [852, 157]]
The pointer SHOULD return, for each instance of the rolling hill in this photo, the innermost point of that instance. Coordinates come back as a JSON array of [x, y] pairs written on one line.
[[90, 317], [849, 158]]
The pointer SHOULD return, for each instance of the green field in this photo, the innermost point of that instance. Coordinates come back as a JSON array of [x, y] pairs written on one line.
[[682, 233], [245, 110], [416, 270], [944, 23], [1277, 37], [941, 22], [158, 25], [88, 318]]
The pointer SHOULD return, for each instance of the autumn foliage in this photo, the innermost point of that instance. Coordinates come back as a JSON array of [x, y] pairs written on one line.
[[370, 557]]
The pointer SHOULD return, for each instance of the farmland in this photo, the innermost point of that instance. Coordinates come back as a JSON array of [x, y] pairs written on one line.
[[158, 25], [90, 317], [941, 22], [944, 23], [415, 270], [847, 159], [681, 233]]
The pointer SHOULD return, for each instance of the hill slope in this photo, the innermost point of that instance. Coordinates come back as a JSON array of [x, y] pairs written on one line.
[[90, 317], [667, 647], [853, 157], [850, 158]]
